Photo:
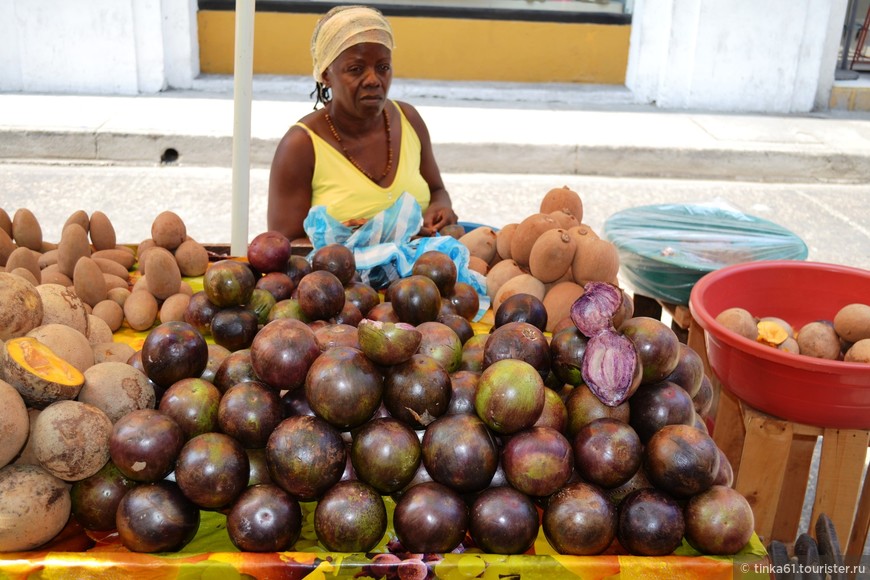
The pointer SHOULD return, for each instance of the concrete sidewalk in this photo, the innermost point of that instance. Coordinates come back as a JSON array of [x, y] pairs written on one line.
[[475, 127]]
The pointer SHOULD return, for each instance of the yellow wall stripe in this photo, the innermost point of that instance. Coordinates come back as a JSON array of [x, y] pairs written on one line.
[[437, 48]]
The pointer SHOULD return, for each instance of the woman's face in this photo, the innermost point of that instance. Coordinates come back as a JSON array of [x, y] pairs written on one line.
[[360, 78]]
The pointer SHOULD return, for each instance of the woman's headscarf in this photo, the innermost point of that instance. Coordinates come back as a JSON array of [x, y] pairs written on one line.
[[343, 27]]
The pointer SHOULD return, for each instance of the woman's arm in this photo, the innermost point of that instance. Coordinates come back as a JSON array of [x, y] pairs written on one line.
[[440, 211], [290, 184]]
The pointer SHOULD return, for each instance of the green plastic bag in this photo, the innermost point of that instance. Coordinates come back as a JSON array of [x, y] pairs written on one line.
[[665, 249]]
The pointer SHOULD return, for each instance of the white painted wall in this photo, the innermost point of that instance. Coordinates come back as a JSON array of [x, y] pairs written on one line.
[[727, 55], [773, 56], [97, 46]]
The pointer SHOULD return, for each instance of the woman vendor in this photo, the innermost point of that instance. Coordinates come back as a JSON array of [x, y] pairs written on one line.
[[358, 153]]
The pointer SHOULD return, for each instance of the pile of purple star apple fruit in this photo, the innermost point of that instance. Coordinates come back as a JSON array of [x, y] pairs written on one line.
[[314, 387]]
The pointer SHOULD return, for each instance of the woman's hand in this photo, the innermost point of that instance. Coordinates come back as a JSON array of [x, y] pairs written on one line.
[[436, 216]]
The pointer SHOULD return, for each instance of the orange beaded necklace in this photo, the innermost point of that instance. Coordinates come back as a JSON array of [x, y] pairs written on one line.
[[353, 161]]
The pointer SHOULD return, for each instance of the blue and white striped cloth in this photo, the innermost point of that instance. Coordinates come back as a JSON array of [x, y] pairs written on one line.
[[383, 248]]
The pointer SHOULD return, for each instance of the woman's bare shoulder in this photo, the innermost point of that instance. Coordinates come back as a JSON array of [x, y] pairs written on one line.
[[408, 109], [295, 148]]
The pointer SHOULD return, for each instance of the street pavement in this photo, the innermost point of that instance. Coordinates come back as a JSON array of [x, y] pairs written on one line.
[[501, 146], [475, 128]]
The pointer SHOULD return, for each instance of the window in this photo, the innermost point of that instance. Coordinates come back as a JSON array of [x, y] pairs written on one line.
[[595, 11]]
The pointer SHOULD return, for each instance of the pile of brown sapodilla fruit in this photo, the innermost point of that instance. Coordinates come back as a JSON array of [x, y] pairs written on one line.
[[88, 261], [549, 255]]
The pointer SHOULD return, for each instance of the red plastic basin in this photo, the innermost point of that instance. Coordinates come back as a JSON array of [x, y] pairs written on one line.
[[798, 388]]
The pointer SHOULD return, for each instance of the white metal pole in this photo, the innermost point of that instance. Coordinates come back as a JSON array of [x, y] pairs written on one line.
[[243, 74]]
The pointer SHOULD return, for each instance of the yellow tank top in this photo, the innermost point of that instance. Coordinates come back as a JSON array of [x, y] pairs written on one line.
[[348, 194]]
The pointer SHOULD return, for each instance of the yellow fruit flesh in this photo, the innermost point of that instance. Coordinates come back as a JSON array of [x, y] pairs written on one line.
[[39, 360], [771, 333]]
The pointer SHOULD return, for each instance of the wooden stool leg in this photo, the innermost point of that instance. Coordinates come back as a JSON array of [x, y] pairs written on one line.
[[794, 488], [840, 469], [762, 469], [696, 341], [861, 527], [729, 432]]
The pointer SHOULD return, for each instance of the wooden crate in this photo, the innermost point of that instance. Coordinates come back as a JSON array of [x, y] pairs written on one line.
[[772, 459]]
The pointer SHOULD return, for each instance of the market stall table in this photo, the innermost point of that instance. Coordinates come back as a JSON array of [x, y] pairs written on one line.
[[76, 553]]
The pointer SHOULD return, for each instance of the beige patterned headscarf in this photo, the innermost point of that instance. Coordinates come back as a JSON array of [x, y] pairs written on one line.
[[343, 27]]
